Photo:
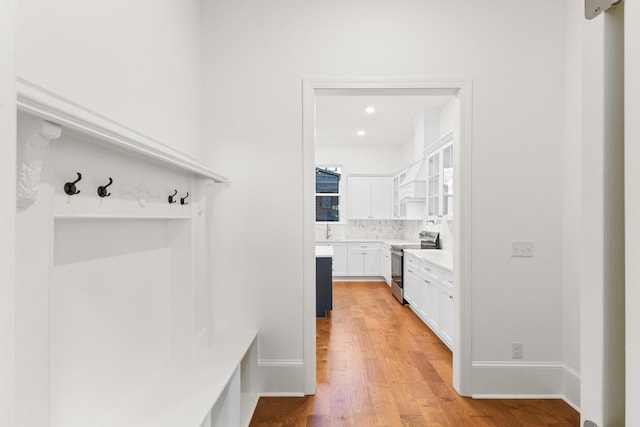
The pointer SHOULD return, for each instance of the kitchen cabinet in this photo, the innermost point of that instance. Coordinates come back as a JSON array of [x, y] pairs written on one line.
[[399, 209], [429, 291], [440, 178], [324, 285], [369, 197], [446, 315], [340, 258], [433, 304], [364, 259], [385, 263], [411, 280]]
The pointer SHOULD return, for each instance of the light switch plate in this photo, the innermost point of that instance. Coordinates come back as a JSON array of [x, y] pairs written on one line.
[[522, 248]]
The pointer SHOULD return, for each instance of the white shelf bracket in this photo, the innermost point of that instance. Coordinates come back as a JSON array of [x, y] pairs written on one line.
[[593, 8], [31, 167]]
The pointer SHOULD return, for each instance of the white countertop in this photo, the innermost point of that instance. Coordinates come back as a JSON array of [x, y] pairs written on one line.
[[324, 252], [443, 259]]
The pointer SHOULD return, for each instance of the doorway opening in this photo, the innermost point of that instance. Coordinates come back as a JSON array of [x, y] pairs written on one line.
[[460, 92]]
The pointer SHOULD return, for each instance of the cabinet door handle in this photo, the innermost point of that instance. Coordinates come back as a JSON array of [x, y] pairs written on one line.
[[409, 271], [450, 296]]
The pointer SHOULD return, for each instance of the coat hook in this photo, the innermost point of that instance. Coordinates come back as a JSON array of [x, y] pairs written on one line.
[[70, 187], [183, 200], [102, 190], [172, 196]]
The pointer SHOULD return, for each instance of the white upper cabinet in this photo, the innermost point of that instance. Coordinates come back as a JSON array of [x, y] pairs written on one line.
[[359, 197], [446, 188], [369, 197], [399, 209], [440, 178]]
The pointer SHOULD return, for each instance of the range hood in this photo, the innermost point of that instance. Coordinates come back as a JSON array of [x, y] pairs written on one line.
[[413, 187]]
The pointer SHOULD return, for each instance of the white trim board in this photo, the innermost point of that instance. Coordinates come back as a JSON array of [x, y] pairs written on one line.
[[281, 377], [460, 87], [526, 380]]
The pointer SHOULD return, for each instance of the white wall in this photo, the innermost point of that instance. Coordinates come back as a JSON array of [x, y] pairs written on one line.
[[571, 225], [254, 67], [374, 159], [136, 63], [449, 116], [632, 200], [7, 212]]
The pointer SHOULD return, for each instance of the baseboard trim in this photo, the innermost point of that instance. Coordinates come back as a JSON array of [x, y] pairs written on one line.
[[571, 387], [281, 394], [518, 396], [526, 380], [281, 377]]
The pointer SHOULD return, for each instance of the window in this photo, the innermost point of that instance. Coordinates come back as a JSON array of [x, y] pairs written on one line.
[[328, 186]]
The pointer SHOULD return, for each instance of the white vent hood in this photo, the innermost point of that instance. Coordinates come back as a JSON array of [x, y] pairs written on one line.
[[413, 187]]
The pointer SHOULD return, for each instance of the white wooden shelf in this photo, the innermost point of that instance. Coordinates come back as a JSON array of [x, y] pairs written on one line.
[[42, 103], [183, 393]]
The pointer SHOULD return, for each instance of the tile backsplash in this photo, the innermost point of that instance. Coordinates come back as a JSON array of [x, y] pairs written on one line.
[[361, 229], [385, 229]]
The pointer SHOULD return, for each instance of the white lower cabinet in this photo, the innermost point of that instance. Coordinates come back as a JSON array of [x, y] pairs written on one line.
[[429, 291], [433, 304], [385, 263], [411, 280], [446, 315], [364, 259], [340, 259]]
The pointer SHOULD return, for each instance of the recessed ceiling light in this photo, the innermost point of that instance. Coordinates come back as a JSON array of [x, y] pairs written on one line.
[[370, 110], [361, 133]]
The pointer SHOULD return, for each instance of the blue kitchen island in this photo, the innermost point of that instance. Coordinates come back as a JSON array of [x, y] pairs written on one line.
[[324, 280]]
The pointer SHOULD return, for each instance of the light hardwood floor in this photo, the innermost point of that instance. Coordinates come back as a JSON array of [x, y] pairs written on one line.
[[379, 365]]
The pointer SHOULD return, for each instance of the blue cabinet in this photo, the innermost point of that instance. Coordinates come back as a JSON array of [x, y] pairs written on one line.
[[324, 286]]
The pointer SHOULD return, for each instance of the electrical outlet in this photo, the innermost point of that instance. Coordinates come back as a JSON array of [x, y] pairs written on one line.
[[516, 350], [522, 248]]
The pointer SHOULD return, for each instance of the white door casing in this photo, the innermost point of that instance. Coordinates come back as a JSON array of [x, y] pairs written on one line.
[[602, 256], [462, 88], [632, 206]]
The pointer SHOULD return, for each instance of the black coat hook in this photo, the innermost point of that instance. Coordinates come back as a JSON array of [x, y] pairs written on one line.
[[172, 196], [102, 190], [183, 200], [70, 187]]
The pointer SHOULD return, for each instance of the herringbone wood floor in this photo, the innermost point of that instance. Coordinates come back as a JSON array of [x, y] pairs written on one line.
[[379, 365]]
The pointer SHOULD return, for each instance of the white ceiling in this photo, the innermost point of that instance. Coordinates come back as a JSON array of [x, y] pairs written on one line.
[[339, 116]]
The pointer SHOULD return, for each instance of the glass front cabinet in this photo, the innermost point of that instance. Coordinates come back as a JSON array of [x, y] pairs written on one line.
[[440, 181], [399, 209]]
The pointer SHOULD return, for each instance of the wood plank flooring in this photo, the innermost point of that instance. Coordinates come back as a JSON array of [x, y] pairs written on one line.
[[379, 365]]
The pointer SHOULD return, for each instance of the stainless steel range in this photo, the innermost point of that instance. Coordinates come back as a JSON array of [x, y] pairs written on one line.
[[428, 240]]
